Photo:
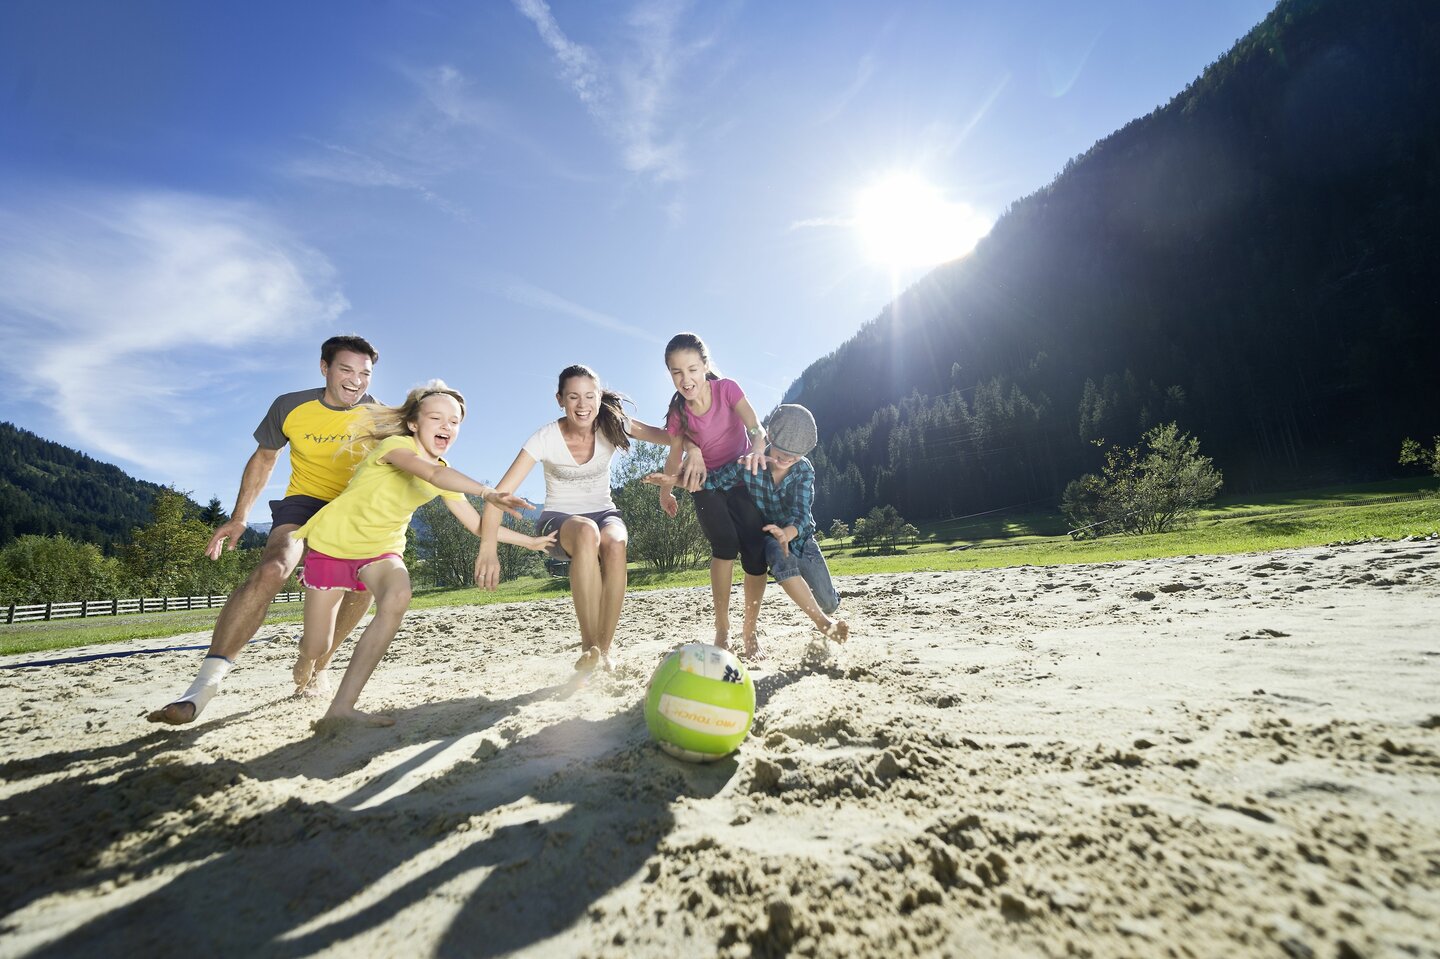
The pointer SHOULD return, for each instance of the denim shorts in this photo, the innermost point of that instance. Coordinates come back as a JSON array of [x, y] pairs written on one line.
[[808, 562], [550, 521]]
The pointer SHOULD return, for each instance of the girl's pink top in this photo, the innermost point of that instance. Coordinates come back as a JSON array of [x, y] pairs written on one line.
[[720, 433]]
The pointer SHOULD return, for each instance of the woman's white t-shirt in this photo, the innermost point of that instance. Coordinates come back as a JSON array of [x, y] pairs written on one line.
[[569, 486]]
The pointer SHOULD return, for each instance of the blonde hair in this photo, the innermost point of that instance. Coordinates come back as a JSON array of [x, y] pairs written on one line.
[[381, 421]]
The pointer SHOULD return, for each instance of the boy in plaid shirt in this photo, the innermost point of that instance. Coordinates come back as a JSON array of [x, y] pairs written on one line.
[[784, 493]]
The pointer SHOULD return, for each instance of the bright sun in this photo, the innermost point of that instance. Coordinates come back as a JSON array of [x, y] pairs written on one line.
[[903, 221]]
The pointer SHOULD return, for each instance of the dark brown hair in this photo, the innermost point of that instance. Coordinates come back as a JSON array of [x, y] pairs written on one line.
[[351, 342], [610, 418], [687, 341]]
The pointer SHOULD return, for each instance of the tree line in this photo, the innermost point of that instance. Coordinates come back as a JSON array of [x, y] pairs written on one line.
[[1250, 261], [47, 489]]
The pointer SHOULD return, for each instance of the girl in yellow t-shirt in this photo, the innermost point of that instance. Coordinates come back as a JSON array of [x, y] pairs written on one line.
[[355, 542]]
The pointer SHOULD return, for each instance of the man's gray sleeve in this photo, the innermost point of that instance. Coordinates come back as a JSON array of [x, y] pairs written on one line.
[[270, 434]]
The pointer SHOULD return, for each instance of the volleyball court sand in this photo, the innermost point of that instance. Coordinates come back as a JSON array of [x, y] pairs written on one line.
[[1203, 756]]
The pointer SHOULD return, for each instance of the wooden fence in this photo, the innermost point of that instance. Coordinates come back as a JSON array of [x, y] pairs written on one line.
[[39, 612]]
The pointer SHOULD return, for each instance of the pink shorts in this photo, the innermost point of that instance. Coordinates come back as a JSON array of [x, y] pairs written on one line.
[[329, 572]]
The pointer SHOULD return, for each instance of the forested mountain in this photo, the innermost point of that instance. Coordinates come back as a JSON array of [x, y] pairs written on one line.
[[1248, 260], [46, 488]]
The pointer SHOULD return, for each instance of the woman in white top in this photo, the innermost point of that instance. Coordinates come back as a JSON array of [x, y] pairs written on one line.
[[576, 451]]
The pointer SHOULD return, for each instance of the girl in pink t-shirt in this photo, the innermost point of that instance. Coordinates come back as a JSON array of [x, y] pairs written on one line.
[[713, 414]]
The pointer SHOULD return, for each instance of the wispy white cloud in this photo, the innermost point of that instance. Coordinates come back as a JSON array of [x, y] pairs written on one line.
[[579, 66], [525, 294], [438, 126], [117, 312], [341, 164], [864, 71], [822, 221], [631, 99]]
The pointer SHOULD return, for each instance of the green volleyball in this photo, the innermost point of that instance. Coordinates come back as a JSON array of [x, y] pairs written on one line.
[[700, 704]]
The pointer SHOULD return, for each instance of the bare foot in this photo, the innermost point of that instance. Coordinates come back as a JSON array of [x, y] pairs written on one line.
[[753, 652], [319, 684], [838, 630], [589, 659], [304, 668], [175, 714], [610, 660], [722, 639], [337, 718]]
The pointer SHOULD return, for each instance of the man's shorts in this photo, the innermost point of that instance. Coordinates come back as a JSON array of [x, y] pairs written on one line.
[[294, 510], [550, 522], [329, 572]]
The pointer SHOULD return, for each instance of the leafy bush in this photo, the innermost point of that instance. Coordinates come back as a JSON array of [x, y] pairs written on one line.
[[1152, 488], [666, 544], [44, 569], [882, 528], [1412, 453]]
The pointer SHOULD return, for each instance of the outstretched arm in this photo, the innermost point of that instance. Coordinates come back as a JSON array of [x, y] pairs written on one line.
[[692, 473], [449, 478], [252, 482], [469, 517], [487, 562]]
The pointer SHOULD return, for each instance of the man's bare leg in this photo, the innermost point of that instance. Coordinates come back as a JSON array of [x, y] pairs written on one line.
[[241, 617]]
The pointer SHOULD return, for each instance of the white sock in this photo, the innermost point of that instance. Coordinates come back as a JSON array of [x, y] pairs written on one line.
[[207, 683]]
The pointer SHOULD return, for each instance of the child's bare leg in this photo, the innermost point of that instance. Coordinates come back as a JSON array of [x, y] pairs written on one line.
[[389, 582], [320, 608], [722, 577], [754, 595], [352, 609], [797, 589]]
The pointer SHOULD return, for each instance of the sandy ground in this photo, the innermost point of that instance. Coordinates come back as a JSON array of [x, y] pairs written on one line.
[[1208, 756]]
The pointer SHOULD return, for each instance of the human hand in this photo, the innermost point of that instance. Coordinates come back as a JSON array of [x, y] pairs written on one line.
[[692, 472], [754, 461], [668, 503], [509, 502], [542, 543], [487, 568], [230, 530], [783, 535], [662, 479]]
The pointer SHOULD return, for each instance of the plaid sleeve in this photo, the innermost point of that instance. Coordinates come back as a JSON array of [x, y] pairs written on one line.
[[725, 477], [802, 499]]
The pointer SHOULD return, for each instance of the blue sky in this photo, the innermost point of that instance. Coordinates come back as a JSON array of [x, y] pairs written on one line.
[[194, 195]]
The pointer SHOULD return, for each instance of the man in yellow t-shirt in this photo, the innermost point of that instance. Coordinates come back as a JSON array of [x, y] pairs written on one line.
[[317, 424]]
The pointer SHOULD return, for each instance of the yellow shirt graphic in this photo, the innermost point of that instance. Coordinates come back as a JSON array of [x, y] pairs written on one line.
[[370, 516], [320, 464]]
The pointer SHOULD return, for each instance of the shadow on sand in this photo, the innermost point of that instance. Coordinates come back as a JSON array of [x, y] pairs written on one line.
[[592, 801]]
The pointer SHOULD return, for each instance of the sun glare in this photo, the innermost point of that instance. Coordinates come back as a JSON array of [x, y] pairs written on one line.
[[904, 221]]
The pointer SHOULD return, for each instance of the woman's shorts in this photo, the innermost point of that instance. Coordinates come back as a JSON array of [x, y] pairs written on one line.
[[330, 572], [550, 522]]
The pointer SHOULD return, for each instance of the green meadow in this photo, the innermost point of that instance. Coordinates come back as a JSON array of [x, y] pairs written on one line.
[[1236, 524]]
